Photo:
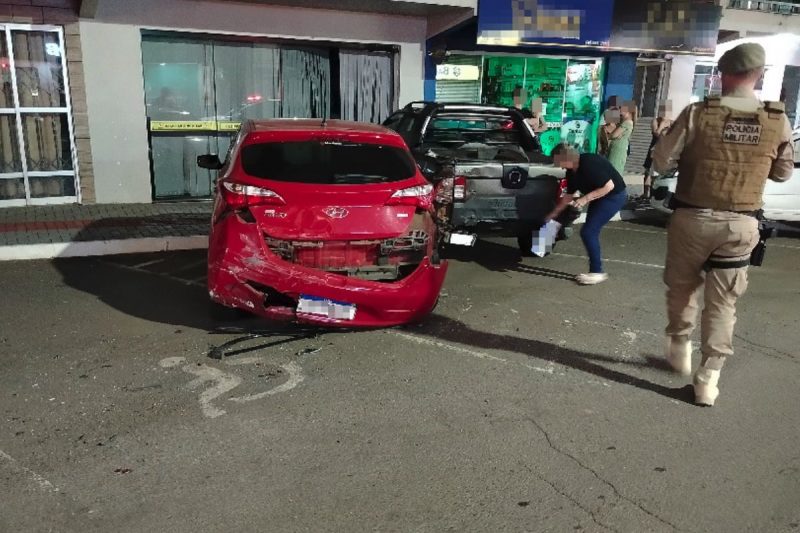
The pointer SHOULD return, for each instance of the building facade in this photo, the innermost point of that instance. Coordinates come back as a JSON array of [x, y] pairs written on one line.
[[110, 101]]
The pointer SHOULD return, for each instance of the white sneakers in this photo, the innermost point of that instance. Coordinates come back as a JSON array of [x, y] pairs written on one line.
[[591, 278], [679, 354], [705, 386]]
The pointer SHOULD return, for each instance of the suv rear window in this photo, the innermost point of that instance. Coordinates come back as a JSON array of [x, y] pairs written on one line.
[[486, 130], [327, 162]]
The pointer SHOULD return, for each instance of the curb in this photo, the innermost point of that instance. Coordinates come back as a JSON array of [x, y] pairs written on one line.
[[52, 250], [21, 252]]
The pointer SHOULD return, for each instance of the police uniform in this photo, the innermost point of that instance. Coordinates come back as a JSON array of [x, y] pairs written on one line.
[[725, 148]]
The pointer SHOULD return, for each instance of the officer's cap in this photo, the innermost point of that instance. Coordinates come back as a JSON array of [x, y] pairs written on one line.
[[742, 58]]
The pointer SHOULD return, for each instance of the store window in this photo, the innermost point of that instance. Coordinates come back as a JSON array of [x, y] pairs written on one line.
[[37, 152], [706, 82], [568, 90], [198, 91]]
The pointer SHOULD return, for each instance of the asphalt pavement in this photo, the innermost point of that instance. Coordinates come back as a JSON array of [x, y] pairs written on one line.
[[524, 403]]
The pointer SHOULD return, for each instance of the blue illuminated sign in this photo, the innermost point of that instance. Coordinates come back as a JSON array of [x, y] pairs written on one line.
[[675, 26], [555, 22]]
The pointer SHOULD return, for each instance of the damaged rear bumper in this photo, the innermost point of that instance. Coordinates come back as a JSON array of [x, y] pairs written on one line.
[[244, 273]]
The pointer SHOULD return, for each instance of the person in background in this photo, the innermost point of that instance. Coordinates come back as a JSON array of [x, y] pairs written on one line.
[[536, 119], [610, 117], [619, 137], [659, 126], [602, 189], [726, 149]]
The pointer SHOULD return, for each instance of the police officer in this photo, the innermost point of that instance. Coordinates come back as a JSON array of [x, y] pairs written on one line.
[[725, 148]]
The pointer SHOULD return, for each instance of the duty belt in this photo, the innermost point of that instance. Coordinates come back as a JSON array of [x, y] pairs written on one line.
[[717, 263], [678, 204]]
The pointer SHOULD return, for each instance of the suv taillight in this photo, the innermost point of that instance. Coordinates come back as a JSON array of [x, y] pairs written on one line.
[[459, 188], [562, 187], [239, 196]]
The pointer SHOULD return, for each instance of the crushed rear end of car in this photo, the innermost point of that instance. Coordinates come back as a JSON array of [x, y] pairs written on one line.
[[346, 254]]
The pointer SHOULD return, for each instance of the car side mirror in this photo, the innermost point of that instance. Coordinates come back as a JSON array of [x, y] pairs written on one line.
[[209, 161]]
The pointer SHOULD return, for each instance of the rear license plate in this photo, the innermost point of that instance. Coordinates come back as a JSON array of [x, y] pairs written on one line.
[[462, 239], [314, 305], [502, 203]]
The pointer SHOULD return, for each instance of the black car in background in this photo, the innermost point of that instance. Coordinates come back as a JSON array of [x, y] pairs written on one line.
[[495, 174]]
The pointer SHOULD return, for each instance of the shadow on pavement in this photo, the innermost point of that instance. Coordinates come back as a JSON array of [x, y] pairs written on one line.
[[447, 329], [164, 300], [497, 257]]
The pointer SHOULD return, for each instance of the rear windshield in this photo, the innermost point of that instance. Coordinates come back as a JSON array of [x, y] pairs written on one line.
[[327, 162], [484, 130]]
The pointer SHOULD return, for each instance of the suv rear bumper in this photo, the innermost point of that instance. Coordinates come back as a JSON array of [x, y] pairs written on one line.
[[494, 210]]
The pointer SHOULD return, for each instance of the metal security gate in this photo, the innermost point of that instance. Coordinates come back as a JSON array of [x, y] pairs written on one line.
[[450, 85], [38, 160]]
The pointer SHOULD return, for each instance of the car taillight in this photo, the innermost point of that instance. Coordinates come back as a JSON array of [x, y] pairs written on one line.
[[238, 195], [459, 188], [420, 196]]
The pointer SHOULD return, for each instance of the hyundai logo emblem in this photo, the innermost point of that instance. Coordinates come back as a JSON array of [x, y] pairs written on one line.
[[336, 212]]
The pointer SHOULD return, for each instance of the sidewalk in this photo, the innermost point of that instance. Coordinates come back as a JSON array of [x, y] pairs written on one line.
[[74, 230]]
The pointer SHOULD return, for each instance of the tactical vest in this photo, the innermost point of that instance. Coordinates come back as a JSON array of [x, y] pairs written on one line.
[[727, 164]]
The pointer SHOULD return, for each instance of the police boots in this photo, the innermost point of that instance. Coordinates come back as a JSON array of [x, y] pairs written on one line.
[[705, 386], [679, 354]]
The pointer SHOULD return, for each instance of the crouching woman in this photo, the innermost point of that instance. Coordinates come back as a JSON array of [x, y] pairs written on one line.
[[602, 189]]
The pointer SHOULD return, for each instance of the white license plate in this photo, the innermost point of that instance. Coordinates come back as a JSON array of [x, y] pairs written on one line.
[[462, 239], [314, 305]]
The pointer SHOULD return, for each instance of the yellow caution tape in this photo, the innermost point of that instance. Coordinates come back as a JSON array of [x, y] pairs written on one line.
[[228, 126], [193, 125]]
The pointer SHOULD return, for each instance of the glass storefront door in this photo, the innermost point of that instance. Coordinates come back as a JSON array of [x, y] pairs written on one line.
[[199, 90], [37, 150], [569, 90]]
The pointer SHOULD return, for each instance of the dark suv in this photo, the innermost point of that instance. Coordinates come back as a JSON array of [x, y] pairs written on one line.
[[500, 178]]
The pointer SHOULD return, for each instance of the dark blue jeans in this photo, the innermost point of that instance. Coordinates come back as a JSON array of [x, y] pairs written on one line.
[[599, 213]]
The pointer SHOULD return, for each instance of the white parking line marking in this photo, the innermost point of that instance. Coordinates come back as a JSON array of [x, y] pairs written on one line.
[[42, 482], [148, 263], [295, 378], [191, 265], [465, 351], [626, 333], [651, 232], [451, 347], [648, 265], [171, 362], [159, 274]]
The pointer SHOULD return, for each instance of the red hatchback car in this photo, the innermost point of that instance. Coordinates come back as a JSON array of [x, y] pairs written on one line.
[[323, 222]]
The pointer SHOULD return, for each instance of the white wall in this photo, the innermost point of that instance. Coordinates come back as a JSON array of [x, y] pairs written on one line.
[[113, 65], [681, 80], [773, 82], [112, 58], [746, 21]]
